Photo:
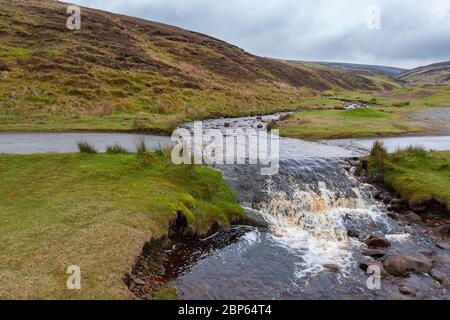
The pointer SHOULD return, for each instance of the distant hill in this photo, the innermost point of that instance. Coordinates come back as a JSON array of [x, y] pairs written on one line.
[[389, 71], [437, 74], [127, 65]]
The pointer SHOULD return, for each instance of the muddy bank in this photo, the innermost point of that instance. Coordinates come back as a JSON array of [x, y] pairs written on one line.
[[163, 259]]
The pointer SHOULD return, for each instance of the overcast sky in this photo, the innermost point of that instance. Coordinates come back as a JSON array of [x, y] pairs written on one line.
[[413, 32]]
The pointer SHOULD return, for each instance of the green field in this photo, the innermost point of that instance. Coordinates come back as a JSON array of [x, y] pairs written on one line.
[[390, 114], [95, 211]]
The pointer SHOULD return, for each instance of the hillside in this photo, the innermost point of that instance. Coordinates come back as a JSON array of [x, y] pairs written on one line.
[[123, 73], [388, 71], [433, 75]]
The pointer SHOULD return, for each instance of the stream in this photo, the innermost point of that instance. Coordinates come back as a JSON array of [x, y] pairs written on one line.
[[305, 251]]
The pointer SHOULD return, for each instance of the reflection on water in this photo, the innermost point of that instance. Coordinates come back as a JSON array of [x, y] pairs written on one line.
[[30, 143]]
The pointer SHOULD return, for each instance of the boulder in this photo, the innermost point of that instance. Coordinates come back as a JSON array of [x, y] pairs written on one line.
[[444, 245], [138, 281], [376, 194], [374, 253], [426, 252], [353, 233], [255, 218], [417, 207], [401, 265], [378, 242], [444, 231], [364, 266], [386, 197], [439, 276], [413, 218], [378, 178]]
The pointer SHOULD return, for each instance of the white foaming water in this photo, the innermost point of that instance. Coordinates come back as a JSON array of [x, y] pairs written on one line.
[[311, 224], [252, 237], [402, 237]]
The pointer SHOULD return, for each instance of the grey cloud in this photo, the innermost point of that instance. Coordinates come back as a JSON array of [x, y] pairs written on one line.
[[413, 32]]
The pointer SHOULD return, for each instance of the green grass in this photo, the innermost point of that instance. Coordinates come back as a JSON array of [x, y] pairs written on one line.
[[417, 175], [12, 52], [328, 124], [116, 148], [166, 292], [95, 211], [390, 114], [85, 147]]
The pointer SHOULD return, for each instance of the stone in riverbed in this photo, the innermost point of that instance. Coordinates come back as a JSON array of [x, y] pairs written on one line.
[[138, 281], [444, 231], [378, 242], [374, 253], [413, 218], [332, 267], [386, 197], [256, 219], [443, 245], [401, 265], [439, 276], [376, 194], [353, 233], [426, 252], [378, 178]]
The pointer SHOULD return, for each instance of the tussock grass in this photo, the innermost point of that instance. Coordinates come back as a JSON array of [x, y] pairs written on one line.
[[115, 149], [415, 174], [140, 146], [85, 147], [378, 154]]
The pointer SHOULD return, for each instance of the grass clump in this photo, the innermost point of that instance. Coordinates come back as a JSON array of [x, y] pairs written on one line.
[[115, 149], [417, 175], [378, 154], [141, 147], [86, 147], [166, 292]]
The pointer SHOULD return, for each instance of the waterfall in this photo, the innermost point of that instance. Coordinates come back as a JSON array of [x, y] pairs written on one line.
[[309, 206]]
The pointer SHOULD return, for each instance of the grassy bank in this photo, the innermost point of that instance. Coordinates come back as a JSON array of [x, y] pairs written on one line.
[[329, 124], [390, 114], [417, 175], [95, 211]]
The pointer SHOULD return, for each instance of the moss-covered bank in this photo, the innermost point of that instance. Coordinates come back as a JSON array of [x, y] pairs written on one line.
[[421, 178]]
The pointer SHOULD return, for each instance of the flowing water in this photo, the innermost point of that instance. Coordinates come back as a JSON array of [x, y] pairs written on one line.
[[309, 206]]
